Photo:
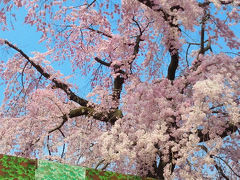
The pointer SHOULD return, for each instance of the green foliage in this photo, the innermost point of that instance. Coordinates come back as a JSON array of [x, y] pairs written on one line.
[[16, 167]]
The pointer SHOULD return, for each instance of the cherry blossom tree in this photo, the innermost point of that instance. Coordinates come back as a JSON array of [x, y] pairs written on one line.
[[164, 100]]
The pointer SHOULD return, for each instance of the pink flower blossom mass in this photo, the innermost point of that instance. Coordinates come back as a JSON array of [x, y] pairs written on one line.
[[165, 86]]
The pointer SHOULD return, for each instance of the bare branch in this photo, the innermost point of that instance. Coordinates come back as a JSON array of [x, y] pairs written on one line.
[[63, 151], [237, 54], [219, 169], [59, 129]]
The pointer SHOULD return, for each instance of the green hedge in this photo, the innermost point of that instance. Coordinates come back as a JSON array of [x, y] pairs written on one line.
[[18, 168]]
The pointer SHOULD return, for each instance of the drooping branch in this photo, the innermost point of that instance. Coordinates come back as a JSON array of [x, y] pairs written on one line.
[[105, 34], [58, 84], [111, 116], [36, 66], [138, 39], [117, 86], [220, 170], [218, 167], [119, 79], [170, 19], [117, 82], [64, 119], [48, 147]]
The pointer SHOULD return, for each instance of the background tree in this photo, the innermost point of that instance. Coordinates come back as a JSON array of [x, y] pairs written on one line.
[[165, 98]]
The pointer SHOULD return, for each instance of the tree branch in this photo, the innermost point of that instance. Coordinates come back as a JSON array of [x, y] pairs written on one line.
[[203, 49], [117, 84], [119, 81], [206, 137], [206, 3], [227, 165], [102, 62], [65, 119], [100, 32], [117, 88], [173, 64], [170, 19], [48, 147], [111, 116], [219, 169], [58, 84], [229, 2], [91, 3]]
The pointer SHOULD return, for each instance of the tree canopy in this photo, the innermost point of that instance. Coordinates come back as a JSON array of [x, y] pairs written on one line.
[[165, 86]]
